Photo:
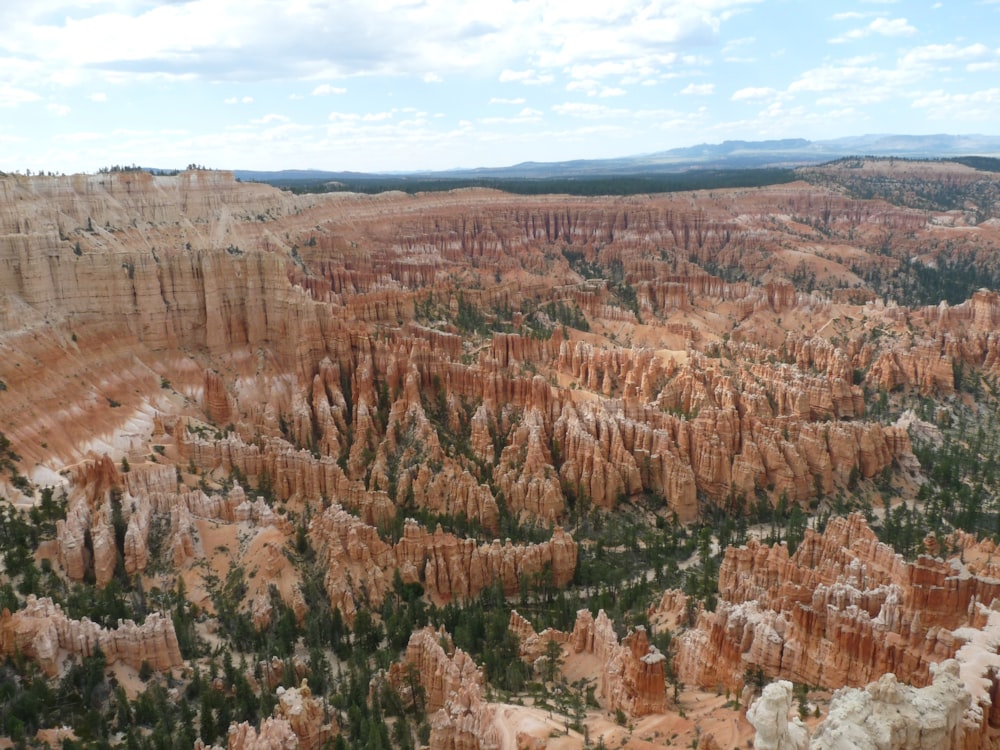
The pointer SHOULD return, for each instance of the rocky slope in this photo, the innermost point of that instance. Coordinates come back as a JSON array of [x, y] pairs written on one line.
[[843, 610], [43, 633], [631, 672], [452, 687], [223, 378]]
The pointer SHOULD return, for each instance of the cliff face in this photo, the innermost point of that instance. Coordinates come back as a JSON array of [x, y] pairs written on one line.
[[448, 567], [893, 715], [452, 686], [843, 610], [300, 720], [632, 672], [271, 365], [87, 539], [252, 304], [884, 714], [769, 715], [43, 633]]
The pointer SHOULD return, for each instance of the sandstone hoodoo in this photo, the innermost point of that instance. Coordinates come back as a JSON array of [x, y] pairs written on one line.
[[278, 469]]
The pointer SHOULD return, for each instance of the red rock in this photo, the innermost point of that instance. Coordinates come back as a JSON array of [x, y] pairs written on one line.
[[842, 610], [42, 632]]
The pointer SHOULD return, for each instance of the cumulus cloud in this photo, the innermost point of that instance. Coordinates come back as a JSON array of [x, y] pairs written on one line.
[[856, 81], [502, 100], [852, 15], [227, 40], [595, 88], [270, 118], [754, 94], [698, 89], [934, 53], [891, 27], [527, 77], [975, 106], [325, 89]]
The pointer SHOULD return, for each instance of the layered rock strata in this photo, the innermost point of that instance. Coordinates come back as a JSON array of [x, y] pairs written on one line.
[[843, 610], [893, 715], [361, 565], [453, 689], [632, 672], [42, 632]]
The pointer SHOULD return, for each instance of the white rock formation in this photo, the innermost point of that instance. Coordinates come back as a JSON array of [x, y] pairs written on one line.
[[888, 715], [769, 716]]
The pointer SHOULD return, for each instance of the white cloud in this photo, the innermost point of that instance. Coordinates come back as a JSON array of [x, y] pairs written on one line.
[[595, 88], [754, 94], [586, 110], [11, 96], [269, 118], [894, 27], [59, 110], [526, 115], [99, 97], [975, 106], [856, 81], [251, 41], [735, 45], [501, 100], [852, 15], [945, 53], [699, 89], [325, 89], [238, 100], [527, 77]]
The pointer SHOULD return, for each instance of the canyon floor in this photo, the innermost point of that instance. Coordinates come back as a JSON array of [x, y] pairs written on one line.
[[478, 470]]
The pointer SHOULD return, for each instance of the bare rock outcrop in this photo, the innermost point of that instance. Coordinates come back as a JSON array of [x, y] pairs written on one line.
[[525, 472], [843, 610], [309, 716], [769, 715], [453, 687], [632, 671], [890, 715], [449, 567], [274, 734], [41, 631], [632, 678]]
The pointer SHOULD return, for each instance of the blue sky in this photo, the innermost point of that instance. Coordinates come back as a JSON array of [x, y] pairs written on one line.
[[381, 85]]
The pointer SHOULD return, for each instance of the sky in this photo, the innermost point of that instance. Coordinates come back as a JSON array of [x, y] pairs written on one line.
[[397, 85]]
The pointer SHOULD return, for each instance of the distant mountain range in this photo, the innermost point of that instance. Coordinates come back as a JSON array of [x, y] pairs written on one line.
[[788, 152]]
